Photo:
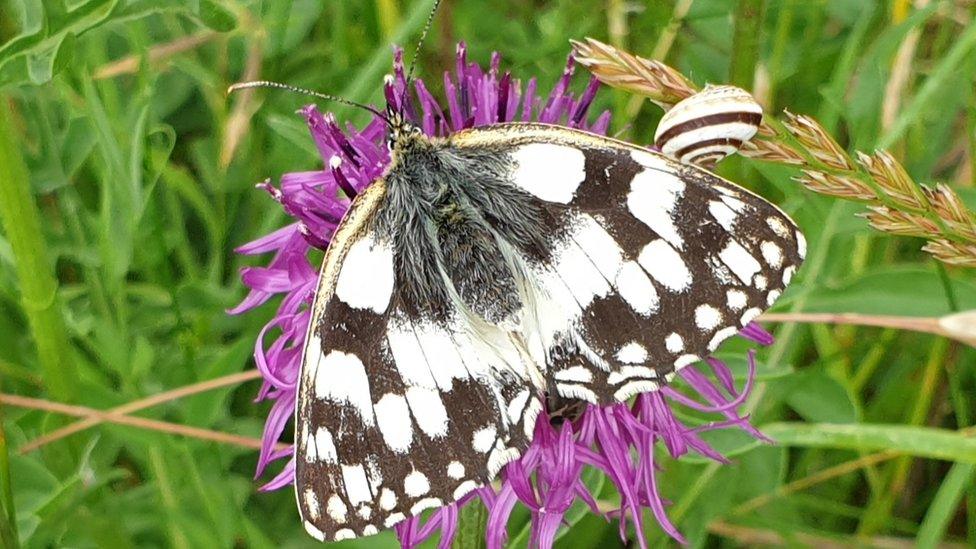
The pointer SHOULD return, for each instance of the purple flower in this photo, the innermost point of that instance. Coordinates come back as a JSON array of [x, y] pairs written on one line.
[[617, 440]]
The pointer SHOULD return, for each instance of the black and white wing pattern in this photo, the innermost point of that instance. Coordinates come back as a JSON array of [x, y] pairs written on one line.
[[650, 264], [397, 415], [498, 267]]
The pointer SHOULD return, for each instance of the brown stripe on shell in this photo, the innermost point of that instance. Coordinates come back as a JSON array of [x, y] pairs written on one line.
[[752, 118], [736, 143]]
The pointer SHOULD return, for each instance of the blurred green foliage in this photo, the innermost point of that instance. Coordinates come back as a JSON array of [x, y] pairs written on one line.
[[143, 176]]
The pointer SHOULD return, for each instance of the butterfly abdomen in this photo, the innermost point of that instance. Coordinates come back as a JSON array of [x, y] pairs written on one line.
[[474, 264]]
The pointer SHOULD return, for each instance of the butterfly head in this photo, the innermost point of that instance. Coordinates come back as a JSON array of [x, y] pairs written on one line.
[[401, 131]]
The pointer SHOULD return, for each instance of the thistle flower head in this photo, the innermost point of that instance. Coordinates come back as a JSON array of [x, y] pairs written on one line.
[[619, 441]]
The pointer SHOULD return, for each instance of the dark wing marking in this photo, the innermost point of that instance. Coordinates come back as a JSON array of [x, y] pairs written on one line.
[[397, 415], [652, 263]]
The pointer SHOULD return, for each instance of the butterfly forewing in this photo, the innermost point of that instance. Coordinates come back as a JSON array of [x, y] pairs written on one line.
[[396, 413], [495, 268], [651, 264]]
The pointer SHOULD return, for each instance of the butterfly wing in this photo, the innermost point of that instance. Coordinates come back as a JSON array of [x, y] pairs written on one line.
[[651, 263], [375, 442]]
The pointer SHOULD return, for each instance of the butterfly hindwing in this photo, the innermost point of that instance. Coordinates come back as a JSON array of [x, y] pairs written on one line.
[[396, 413], [651, 263]]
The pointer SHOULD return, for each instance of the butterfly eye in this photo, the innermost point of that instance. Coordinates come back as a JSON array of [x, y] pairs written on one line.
[[709, 125]]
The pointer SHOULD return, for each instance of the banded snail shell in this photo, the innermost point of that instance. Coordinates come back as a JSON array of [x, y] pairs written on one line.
[[709, 125]]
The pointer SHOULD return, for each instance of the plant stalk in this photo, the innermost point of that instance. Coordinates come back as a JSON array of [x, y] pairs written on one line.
[[745, 43], [35, 272]]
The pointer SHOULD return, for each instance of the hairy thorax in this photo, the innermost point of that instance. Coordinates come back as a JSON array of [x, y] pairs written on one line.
[[448, 215]]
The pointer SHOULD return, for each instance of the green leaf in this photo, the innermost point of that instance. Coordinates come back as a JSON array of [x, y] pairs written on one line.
[[216, 16], [32, 57], [926, 442], [944, 506], [818, 397], [891, 290]]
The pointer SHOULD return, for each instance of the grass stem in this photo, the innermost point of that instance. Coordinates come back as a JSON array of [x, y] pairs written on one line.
[[8, 513], [745, 43], [35, 272]]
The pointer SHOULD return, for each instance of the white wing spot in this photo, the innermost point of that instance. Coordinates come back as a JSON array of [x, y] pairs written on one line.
[[312, 502], [365, 511], [464, 488], [636, 289], [366, 278], [313, 531], [632, 353], [325, 446], [772, 297], [370, 530], [578, 374], [501, 457], [443, 359], [737, 299], [341, 378], [674, 343], [393, 418], [582, 278], [650, 160], [627, 372], [664, 263], [425, 503], [740, 261], [635, 387], [750, 315], [531, 414], [707, 317], [788, 274], [416, 484], [723, 214], [484, 439], [515, 408], [393, 519], [598, 245], [357, 486], [550, 172], [577, 392], [455, 470], [801, 244], [652, 199], [759, 282], [772, 253], [408, 356], [737, 205], [721, 336], [345, 533], [428, 409], [336, 509], [685, 360], [388, 499], [778, 227]]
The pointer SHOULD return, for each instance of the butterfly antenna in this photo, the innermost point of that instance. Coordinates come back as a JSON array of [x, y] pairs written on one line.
[[416, 51], [305, 91], [423, 36]]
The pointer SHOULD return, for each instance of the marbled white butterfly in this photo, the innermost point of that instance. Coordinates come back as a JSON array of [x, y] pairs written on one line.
[[489, 269]]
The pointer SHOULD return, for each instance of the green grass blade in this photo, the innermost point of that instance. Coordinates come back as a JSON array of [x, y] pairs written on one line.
[[946, 73], [926, 442], [944, 506], [38, 286]]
